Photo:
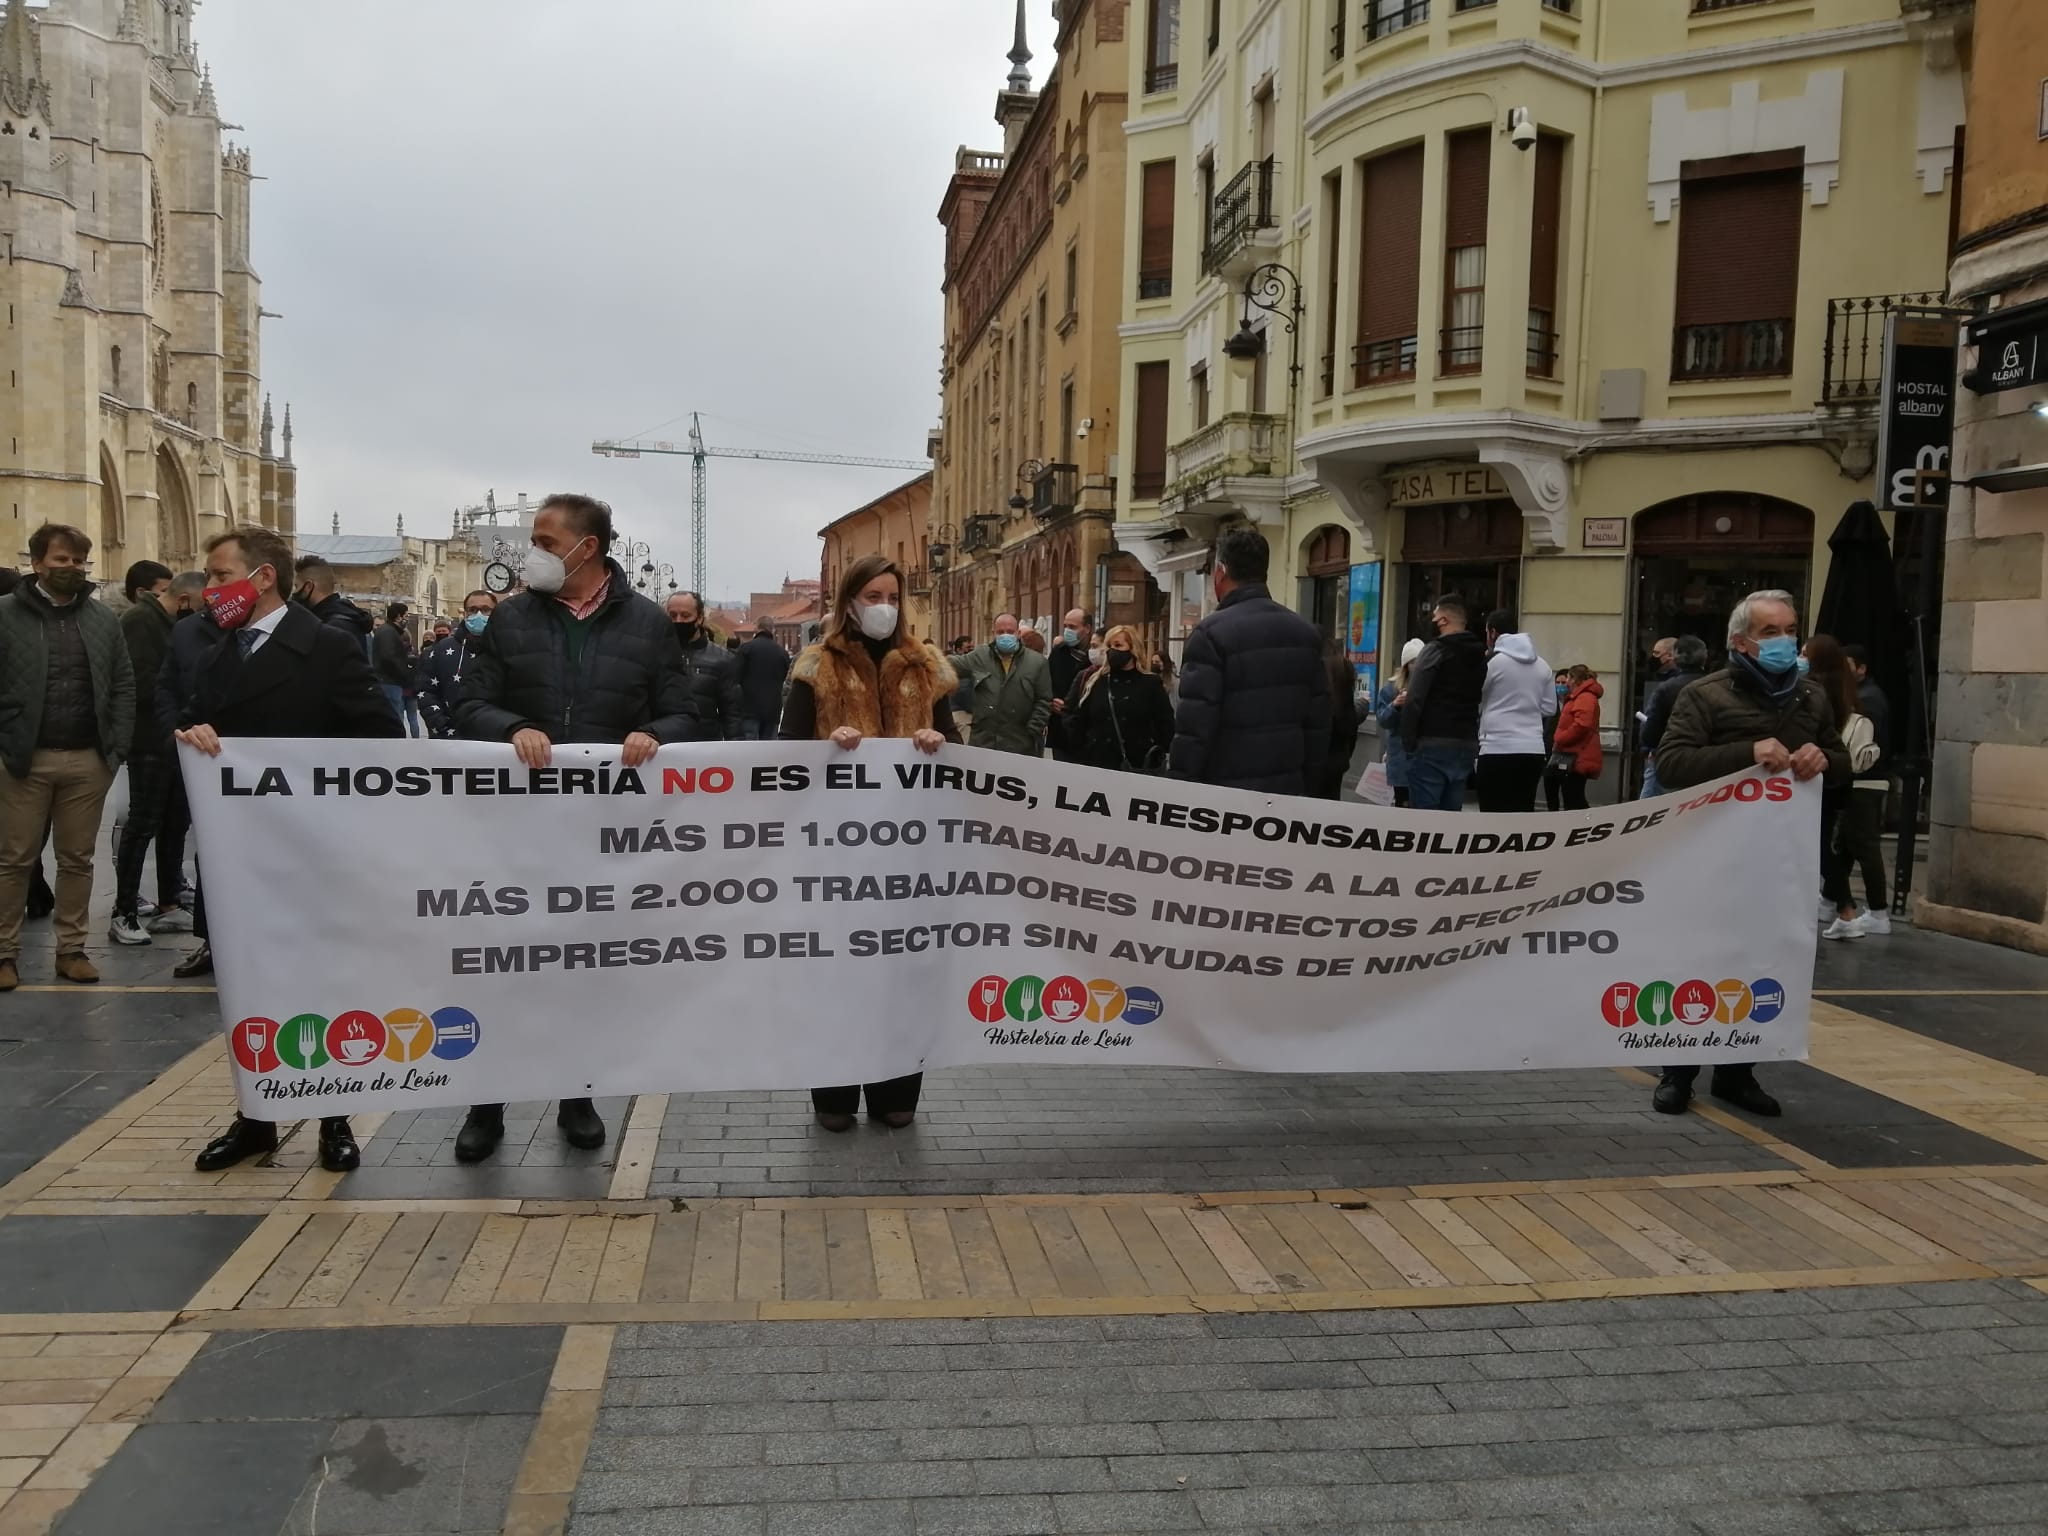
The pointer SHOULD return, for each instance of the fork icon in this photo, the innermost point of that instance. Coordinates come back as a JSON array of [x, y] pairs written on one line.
[[309, 1042]]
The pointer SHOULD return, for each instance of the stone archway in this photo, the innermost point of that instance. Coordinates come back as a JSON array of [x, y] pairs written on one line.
[[176, 532], [113, 536]]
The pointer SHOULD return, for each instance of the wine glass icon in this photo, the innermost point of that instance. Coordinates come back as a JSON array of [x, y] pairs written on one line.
[[257, 1036], [991, 997]]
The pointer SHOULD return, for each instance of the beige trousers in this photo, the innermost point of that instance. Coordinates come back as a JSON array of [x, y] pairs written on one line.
[[63, 794]]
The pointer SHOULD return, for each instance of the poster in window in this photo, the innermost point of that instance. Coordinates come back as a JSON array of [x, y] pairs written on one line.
[[1362, 626]]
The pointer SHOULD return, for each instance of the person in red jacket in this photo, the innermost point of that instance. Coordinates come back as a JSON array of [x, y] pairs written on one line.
[[1575, 752]]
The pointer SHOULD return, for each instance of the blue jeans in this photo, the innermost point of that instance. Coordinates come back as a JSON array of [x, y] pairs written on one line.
[[1651, 788], [1437, 775], [407, 710]]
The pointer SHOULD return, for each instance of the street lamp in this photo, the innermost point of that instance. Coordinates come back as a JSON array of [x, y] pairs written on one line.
[[941, 547], [1027, 474], [1276, 290]]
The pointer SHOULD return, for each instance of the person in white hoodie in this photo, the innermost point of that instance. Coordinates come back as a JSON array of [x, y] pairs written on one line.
[[1516, 699]]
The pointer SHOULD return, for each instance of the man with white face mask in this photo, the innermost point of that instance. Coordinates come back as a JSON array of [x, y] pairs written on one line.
[[579, 656]]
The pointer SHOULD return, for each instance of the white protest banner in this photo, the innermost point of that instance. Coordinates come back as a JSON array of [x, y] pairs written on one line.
[[416, 923]]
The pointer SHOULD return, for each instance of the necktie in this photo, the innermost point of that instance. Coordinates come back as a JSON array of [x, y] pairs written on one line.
[[245, 640]]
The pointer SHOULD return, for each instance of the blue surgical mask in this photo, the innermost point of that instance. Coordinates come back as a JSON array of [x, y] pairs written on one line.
[[1805, 666], [1780, 653], [475, 622], [1563, 689], [1007, 643], [1070, 637]]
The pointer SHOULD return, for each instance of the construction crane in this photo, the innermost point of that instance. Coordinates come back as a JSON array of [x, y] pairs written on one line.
[[697, 452]]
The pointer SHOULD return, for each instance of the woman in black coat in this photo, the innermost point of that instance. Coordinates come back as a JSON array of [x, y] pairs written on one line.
[[1118, 715]]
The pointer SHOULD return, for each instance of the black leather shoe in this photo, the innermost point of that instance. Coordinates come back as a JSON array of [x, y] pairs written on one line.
[[838, 1125], [898, 1119], [243, 1139], [338, 1150], [482, 1130], [198, 963], [1671, 1097], [581, 1126], [1745, 1092]]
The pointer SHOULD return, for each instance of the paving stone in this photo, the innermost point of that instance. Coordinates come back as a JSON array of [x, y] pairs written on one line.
[[112, 1263], [196, 1480]]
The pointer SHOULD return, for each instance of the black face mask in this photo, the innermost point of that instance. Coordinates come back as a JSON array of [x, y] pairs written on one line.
[[686, 630], [1120, 661]]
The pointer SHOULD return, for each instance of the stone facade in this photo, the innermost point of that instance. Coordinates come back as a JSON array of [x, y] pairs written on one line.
[[430, 576], [132, 405], [1988, 865], [1024, 459]]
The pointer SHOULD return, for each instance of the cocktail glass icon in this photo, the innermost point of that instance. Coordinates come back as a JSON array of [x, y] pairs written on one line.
[[407, 1031], [1732, 1001]]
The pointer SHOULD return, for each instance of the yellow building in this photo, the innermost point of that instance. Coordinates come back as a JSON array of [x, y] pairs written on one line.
[[1591, 296], [1024, 458], [130, 403]]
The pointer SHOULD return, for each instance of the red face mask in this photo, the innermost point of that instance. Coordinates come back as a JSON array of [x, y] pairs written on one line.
[[232, 604]]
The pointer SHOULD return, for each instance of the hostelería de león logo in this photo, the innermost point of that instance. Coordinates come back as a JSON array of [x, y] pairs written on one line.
[[359, 1041], [1062, 1010], [1694, 1012]]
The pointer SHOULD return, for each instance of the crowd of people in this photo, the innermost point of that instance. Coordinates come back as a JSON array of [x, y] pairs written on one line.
[[259, 644]]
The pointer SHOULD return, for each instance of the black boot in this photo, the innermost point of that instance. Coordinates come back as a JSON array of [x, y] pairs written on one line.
[[580, 1124], [1738, 1086], [243, 1139], [198, 963], [1672, 1095], [338, 1151], [481, 1132]]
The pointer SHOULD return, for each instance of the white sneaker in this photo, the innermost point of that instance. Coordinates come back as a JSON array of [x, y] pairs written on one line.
[[1827, 910], [1876, 920], [144, 907], [171, 920], [126, 930], [1844, 928]]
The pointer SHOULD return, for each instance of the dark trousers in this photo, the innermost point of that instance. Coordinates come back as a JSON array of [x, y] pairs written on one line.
[[1834, 856], [898, 1093], [156, 810], [1565, 791], [1725, 1075], [1861, 835], [1507, 781]]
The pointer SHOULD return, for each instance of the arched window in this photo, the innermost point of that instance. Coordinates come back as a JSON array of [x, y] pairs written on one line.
[[1326, 577], [191, 405]]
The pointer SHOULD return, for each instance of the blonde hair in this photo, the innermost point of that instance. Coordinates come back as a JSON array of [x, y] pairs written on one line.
[[1138, 656]]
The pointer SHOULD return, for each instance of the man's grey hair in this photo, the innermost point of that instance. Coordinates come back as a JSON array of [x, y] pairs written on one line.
[[1689, 651], [187, 583], [1740, 619]]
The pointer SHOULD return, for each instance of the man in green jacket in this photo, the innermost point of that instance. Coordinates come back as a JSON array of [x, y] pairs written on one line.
[[1758, 711], [1011, 689], [67, 712]]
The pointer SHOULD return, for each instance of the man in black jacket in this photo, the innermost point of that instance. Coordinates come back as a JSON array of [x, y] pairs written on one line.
[[314, 584], [393, 658], [1688, 658], [713, 671], [1068, 660], [269, 668], [1254, 692], [1440, 710], [438, 681], [156, 796], [763, 664], [579, 656]]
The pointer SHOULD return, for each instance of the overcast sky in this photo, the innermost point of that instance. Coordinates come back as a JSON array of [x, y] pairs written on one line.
[[498, 229]]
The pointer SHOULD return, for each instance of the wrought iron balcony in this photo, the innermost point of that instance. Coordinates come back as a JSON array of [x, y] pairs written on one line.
[[920, 582], [1854, 365], [1383, 18], [1461, 349], [1242, 443], [1162, 77], [1737, 349], [1054, 492], [982, 531], [1383, 362], [1242, 207]]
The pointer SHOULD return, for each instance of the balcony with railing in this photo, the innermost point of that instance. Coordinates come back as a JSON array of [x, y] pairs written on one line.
[[1853, 366], [1243, 206], [1162, 77], [1383, 18], [1701, 7], [1055, 491], [983, 530], [920, 581], [1460, 349], [1383, 362], [1734, 349], [1242, 443]]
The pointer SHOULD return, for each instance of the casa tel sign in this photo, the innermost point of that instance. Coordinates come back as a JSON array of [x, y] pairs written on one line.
[[1435, 484]]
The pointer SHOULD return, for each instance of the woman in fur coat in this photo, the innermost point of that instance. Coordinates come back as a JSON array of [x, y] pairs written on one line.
[[869, 677]]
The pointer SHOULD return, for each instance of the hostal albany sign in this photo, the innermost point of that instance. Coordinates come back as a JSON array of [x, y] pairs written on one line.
[[1916, 417], [2010, 350]]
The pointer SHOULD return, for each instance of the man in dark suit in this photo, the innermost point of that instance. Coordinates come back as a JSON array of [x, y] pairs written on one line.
[[763, 666], [269, 668]]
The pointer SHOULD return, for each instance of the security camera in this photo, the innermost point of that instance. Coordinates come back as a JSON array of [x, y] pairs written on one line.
[[1087, 423], [1521, 128]]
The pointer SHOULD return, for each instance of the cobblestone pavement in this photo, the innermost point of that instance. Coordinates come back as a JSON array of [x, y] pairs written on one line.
[[1072, 1300]]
